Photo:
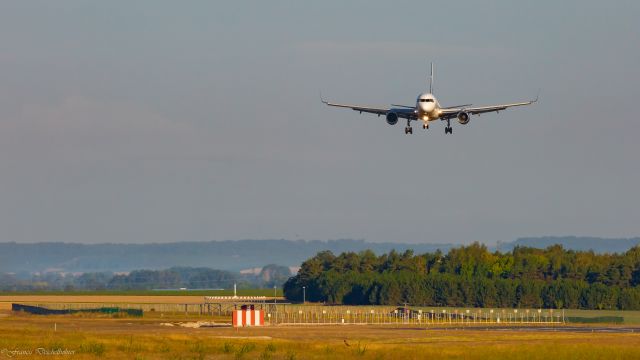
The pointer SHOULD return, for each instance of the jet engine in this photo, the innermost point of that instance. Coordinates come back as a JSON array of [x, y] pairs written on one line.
[[463, 117], [392, 118]]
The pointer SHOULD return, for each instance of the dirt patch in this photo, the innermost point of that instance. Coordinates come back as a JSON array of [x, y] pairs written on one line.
[[245, 337], [197, 324]]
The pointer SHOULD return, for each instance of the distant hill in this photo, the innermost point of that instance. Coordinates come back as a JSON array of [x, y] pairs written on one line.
[[599, 245], [233, 255], [223, 255]]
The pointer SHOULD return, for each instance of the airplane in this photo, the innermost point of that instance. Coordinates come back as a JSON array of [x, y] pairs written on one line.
[[427, 108]]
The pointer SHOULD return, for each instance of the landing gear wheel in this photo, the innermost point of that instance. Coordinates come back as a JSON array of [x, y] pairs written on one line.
[[448, 130], [410, 130]]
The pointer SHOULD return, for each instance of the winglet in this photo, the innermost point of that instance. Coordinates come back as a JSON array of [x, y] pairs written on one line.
[[321, 99], [536, 99]]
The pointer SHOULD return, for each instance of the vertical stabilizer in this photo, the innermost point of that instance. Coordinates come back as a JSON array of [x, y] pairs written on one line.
[[431, 80]]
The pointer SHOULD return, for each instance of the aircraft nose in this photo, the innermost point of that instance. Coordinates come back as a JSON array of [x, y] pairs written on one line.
[[426, 106]]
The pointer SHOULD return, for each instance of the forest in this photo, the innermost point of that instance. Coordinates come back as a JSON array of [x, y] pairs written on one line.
[[473, 276]]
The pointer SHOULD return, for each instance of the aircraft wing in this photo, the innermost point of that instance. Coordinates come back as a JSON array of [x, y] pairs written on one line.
[[407, 113], [448, 113]]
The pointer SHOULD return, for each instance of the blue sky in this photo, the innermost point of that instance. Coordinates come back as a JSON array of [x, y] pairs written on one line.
[[141, 121]]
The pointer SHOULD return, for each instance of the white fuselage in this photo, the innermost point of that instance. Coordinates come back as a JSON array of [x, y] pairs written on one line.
[[427, 107]]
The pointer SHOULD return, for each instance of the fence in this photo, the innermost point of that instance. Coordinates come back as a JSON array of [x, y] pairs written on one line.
[[285, 314], [410, 316]]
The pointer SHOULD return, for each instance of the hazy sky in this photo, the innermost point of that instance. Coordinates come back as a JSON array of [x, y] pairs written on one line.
[[140, 121]]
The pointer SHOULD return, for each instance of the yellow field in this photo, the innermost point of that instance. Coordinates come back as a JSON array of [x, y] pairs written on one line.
[[6, 300], [90, 337]]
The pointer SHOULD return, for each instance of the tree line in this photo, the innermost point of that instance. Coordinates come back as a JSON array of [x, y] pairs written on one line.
[[473, 276]]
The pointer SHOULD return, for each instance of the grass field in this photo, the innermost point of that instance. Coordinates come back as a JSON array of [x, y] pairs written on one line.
[[6, 301], [122, 297], [194, 292], [134, 338]]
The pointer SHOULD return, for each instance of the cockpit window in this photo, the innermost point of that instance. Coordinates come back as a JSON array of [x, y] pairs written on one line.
[[426, 100]]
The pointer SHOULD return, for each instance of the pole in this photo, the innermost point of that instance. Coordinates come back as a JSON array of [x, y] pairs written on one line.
[[304, 295], [274, 294]]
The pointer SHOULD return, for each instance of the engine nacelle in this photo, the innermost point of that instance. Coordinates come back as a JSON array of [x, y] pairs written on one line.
[[463, 117], [392, 118]]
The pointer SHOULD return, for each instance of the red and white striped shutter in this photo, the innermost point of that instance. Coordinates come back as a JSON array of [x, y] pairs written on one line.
[[248, 318]]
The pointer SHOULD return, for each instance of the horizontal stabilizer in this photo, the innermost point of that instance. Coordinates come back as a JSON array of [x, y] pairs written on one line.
[[404, 106], [457, 106]]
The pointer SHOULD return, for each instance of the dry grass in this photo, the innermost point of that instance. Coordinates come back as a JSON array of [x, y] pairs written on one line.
[[133, 338], [5, 301]]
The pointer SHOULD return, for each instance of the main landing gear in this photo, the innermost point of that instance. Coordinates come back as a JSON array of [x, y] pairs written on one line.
[[408, 129], [448, 129]]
